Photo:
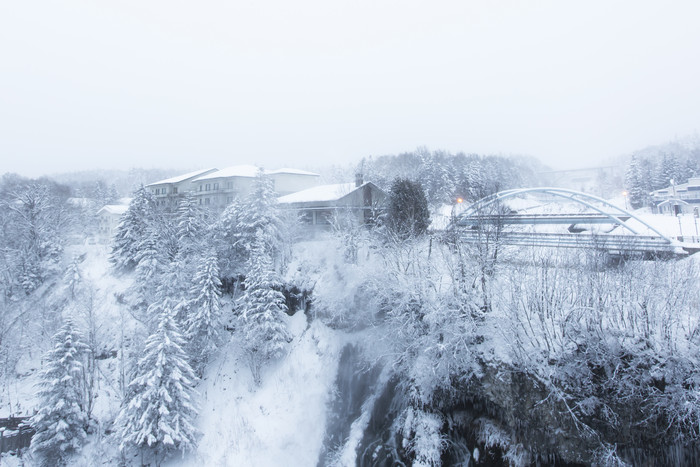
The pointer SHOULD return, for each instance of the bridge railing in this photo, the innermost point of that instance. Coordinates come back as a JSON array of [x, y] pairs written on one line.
[[630, 243]]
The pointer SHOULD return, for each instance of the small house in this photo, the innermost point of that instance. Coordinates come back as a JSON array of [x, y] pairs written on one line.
[[318, 206], [108, 220], [673, 206], [676, 199]]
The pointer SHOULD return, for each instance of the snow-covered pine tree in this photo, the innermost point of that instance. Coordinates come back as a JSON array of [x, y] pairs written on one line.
[[435, 178], [191, 227], [172, 289], [61, 420], [150, 265], [690, 168], [157, 414], [189, 235], [475, 181], [204, 324], [239, 224], [407, 213], [226, 240], [262, 308], [634, 179], [34, 233], [132, 231], [259, 219], [72, 276]]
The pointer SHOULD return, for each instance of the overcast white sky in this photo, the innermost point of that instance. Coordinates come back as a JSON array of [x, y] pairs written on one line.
[[168, 83]]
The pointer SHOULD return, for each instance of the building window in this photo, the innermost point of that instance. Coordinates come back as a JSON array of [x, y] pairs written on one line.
[[200, 187], [208, 187], [229, 185], [174, 190], [216, 186], [207, 200]]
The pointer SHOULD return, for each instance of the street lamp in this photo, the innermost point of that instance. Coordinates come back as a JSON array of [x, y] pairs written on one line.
[[624, 194], [454, 209]]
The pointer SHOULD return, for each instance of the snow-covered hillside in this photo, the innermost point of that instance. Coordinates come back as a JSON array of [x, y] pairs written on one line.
[[229, 341], [279, 423]]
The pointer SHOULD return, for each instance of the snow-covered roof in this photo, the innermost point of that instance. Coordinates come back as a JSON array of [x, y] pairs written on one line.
[[235, 171], [114, 209], [290, 171], [319, 193], [182, 178], [673, 201]]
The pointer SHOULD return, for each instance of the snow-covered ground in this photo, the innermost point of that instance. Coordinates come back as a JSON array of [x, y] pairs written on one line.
[[281, 422], [685, 225], [278, 423]]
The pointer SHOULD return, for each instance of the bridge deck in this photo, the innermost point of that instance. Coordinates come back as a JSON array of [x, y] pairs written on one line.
[[616, 243], [540, 219]]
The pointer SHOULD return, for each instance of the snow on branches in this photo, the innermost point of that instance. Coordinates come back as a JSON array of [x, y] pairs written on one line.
[[159, 409], [62, 418]]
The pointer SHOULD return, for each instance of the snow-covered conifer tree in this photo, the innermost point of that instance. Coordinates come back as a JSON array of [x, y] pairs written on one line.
[[34, 232], [191, 227], [475, 181], [177, 277], [240, 223], [61, 421], [262, 306], [172, 289], [157, 414], [259, 219], [636, 183], [72, 276], [150, 265], [203, 325], [132, 231], [407, 213], [232, 253], [435, 178]]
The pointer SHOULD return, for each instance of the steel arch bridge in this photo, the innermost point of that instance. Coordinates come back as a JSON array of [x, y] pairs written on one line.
[[484, 212]]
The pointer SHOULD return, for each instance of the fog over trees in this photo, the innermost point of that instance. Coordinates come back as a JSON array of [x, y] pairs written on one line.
[[446, 352]]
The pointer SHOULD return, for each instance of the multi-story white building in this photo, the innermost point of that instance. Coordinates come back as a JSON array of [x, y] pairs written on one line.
[[218, 188], [168, 192]]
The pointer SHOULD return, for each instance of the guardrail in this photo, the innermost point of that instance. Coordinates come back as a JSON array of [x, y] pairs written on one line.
[[536, 219], [621, 243]]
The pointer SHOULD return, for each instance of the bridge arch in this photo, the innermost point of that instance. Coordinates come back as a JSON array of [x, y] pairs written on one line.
[[584, 199]]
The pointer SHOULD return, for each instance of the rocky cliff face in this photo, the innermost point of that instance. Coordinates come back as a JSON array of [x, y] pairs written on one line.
[[503, 417]]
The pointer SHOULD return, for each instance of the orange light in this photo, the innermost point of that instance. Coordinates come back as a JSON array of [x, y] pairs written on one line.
[[459, 200], [624, 193]]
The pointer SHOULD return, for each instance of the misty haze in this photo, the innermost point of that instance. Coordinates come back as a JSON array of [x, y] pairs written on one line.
[[349, 234]]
